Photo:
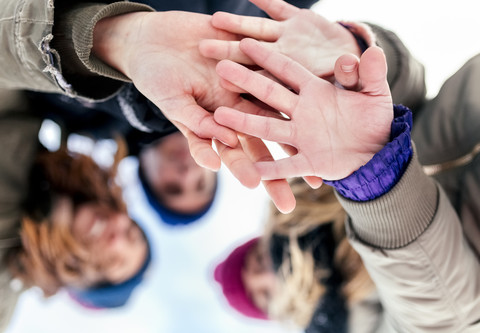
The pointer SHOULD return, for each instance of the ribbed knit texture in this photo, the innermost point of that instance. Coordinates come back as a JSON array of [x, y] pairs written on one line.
[[83, 33], [392, 220], [73, 39]]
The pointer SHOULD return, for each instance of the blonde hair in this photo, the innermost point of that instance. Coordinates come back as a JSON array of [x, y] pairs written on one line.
[[301, 279], [49, 256]]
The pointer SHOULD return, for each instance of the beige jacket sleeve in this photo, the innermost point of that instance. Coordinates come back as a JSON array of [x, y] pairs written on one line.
[[413, 246], [36, 57], [448, 140], [406, 75]]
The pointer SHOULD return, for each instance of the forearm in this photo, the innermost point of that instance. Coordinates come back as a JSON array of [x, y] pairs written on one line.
[[399, 216], [412, 243], [428, 280], [89, 74], [28, 59], [47, 48]]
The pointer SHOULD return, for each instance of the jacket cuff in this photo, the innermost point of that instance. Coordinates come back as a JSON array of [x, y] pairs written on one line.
[[73, 40], [397, 218], [386, 167]]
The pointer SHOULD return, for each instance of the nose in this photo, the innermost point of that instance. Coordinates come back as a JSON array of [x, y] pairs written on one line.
[[118, 225]]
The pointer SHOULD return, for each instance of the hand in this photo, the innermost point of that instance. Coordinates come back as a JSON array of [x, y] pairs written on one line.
[[159, 53], [300, 34], [335, 131]]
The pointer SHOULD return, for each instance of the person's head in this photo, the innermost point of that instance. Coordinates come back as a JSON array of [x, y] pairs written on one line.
[[176, 185], [327, 262], [315, 257], [75, 232], [247, 279], [258, 276]]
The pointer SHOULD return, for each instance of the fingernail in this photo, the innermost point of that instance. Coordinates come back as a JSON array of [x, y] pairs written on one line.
[[348, 68]]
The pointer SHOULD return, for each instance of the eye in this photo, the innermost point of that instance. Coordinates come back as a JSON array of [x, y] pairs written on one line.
[[261, 263]]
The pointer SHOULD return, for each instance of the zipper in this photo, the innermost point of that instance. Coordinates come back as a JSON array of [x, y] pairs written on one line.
[[434, 169]]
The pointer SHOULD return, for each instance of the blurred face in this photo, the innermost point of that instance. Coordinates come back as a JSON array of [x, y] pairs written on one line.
[[118, 245], [258, 277], [181, 184]]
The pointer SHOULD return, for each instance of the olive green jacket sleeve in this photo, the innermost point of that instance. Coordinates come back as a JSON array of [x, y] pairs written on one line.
[[19, 146], [50, 50], [412, 244], [46, 47], [25, 27]]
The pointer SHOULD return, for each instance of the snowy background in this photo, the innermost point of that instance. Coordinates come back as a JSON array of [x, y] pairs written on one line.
[[179, 295]]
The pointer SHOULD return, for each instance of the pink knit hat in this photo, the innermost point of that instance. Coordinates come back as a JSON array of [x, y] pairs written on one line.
[[229, 275]]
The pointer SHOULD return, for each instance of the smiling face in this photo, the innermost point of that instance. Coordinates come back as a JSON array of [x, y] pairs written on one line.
[[76, 232], [176, 180], [116, 245], [258, 277]]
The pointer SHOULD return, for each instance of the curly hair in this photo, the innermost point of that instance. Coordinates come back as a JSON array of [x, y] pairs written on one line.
[[49, 256], [300, 277]]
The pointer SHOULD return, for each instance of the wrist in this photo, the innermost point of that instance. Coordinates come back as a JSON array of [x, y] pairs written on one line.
[[113, 39], [386, 167]]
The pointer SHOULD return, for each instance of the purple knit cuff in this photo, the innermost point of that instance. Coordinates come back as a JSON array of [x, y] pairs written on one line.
[[386, 167]]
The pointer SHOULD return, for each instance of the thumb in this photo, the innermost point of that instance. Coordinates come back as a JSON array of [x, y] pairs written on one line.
[[373, 72]]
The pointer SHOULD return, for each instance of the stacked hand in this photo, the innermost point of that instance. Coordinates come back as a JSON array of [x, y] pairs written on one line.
[[334, 130], [300, 34]]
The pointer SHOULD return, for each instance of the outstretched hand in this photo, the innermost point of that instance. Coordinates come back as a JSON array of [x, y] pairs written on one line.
[[159, 53], [300, 34], [334, 131]]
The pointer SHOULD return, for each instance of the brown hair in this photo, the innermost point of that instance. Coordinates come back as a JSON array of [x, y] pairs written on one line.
[[49, 256], [301, 287]]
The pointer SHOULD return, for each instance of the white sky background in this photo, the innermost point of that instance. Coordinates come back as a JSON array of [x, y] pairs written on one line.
[[179, 295]]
